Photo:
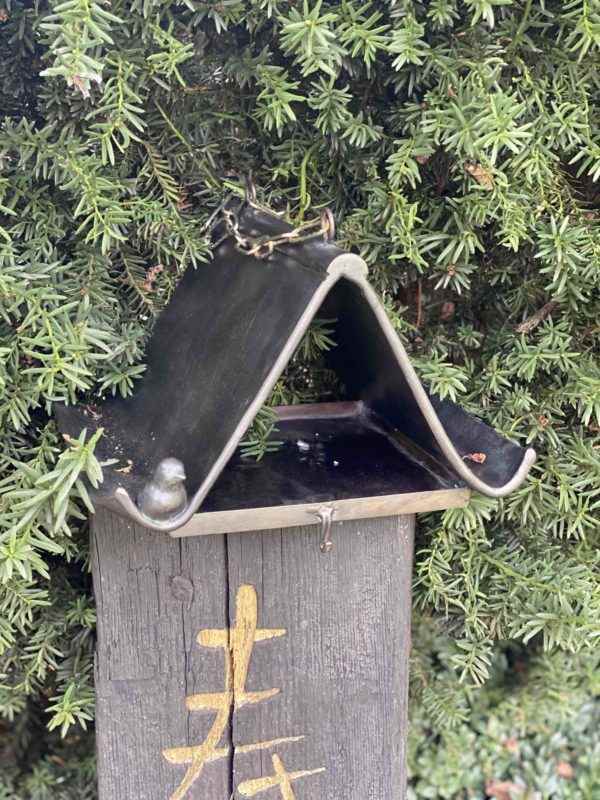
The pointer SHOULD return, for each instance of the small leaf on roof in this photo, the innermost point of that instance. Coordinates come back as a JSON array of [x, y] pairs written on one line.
[[478, 458]]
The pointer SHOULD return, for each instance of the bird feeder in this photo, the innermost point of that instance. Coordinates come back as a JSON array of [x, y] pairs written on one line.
[[254, 616]]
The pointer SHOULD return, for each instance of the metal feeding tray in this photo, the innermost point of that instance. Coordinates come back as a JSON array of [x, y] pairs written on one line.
[[215, 354], [338, 455]]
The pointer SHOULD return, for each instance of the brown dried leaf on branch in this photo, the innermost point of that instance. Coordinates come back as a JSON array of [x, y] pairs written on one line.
[[564, 770], [151, 277], [534, 320], [481, 175], [447, 312], [183, 203], [79, 83], [503, 790]]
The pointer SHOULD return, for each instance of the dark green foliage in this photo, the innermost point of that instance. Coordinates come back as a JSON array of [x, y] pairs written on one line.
[[457, 144], [532, 733]]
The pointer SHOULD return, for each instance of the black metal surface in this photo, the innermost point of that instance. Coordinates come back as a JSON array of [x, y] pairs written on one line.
[[367, 366], [209, 356], [323, 459]]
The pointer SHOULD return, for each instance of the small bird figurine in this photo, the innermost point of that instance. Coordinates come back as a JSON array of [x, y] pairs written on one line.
[[165, 495]]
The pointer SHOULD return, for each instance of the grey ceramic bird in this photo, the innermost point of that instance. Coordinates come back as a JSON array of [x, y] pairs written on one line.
[[165, 495]]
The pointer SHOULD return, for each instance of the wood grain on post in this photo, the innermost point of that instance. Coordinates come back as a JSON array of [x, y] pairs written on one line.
[[252, 664]]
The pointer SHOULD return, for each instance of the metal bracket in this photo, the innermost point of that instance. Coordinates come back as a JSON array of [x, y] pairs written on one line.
[[325, 514]]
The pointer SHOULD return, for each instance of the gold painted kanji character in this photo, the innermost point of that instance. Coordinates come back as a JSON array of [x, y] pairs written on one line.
[[280, 778], [237, 644]]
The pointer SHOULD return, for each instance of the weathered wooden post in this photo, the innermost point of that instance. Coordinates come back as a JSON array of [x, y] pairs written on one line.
[[254, 640]]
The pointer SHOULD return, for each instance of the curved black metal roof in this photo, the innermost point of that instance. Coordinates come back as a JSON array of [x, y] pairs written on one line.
[[219, 347]]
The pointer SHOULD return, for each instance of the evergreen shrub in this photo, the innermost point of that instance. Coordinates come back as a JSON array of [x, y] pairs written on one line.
[[457, 142]]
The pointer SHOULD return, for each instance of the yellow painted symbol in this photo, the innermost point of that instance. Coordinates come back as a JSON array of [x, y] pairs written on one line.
[[281, 778], [237, 644]]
